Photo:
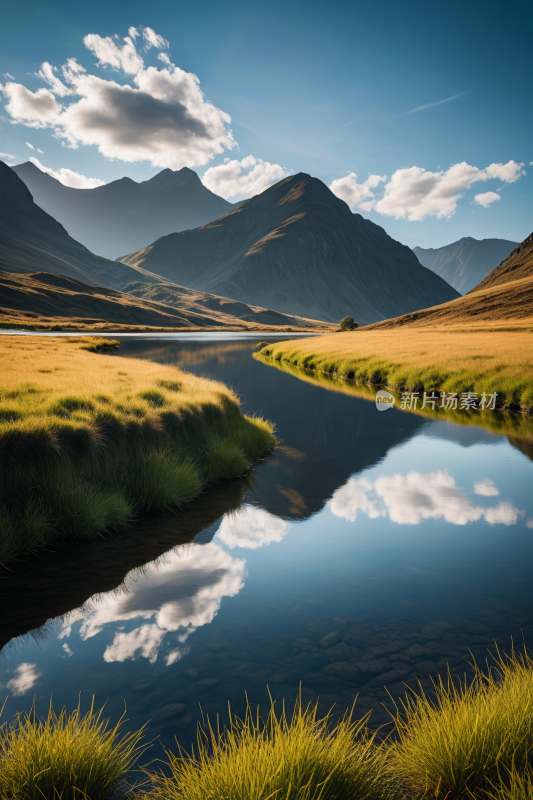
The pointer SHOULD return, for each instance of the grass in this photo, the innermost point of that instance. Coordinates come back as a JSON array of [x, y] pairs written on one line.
[[88, 442], [64, 757], [301, 758], [414, 359], [470, 741]]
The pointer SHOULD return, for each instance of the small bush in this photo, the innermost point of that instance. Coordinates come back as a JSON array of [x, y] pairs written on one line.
[[298, 759], [261, 345], [64, 757], [348, 324]]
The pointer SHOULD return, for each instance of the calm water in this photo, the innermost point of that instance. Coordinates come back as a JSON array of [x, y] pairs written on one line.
[[371, 548]]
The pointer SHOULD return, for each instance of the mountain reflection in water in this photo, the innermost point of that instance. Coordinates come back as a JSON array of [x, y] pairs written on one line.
[[370, 548]]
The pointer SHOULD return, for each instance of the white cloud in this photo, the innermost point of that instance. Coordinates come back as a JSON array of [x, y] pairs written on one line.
[[26, 676], [242, 179], [486, 198], [355, 193], [251, 527], [34, 109], [9, 76], [347, 500], [409, 499], [6, 155], [529, 523], [415, 193], [110, 54], [161, 117], [486, 488], [30, 146], [133, 33], [153, 39], [165, 59], [176, 596], [68, 177], [67, 649]]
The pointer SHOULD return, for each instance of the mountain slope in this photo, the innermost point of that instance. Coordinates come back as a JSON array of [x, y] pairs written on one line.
[[32, 241], [58, 298], [298, 249], [124, 215], [518, 264], [465, 263]]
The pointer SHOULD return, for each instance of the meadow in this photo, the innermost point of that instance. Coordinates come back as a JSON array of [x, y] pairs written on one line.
[[461, 740], [88, 442], [412, 359]]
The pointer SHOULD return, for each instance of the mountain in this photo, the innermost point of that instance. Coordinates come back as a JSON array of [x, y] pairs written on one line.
[[465, 263], [518, 264], [32, 241], [44, 297], [124, 215], [299, 250]]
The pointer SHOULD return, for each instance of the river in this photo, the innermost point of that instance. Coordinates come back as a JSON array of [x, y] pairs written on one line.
[[370, 548]]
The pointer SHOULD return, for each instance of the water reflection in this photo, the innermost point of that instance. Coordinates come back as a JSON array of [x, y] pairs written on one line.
[[371, 548]]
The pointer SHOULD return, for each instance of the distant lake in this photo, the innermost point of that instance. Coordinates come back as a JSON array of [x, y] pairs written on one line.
[[370, 548]]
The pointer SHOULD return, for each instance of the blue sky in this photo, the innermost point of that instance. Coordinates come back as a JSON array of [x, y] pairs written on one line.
[[323, 88]]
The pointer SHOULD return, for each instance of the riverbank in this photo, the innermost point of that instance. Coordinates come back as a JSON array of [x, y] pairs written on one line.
[[88, 442], [424, 360], [462, 739]]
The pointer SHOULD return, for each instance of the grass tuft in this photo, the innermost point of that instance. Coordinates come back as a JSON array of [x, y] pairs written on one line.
[[64, 757], [301, 758]]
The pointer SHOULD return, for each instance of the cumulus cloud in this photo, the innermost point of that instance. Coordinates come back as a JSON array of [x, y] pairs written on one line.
[[174, 597], [251, 527], [409, 499], [162, 116], [67, 649], [26, 676], [486, 488], [415, 193], [68, 177], [355, 193], [239, 180], [486, 198]]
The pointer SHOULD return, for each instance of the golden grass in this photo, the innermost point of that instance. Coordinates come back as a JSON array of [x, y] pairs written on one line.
[[409, 358], [87, 441]]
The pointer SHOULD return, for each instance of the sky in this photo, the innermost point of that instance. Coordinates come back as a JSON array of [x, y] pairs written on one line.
[[418, 114]]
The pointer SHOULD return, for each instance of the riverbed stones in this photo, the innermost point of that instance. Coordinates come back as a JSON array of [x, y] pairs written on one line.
[[342, 652], [374, 666], [331, 639], [170, 710], [344, 670]]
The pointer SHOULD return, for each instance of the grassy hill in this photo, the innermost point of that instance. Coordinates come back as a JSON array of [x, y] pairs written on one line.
[[298, 249], [518, 264]]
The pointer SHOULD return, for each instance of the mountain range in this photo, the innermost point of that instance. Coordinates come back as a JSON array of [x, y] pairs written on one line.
[[298, 249], [467, 262], [124, 215]]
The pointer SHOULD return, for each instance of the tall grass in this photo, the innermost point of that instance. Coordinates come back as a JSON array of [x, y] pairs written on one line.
[[471, 738], [64, 756], [301, 758], [422, 359], [87, 442]]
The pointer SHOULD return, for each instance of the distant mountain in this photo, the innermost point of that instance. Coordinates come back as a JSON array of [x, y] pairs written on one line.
[[41, 296], [467, 262], [124, 215], [298, 249], [517, 265], [32, 241]]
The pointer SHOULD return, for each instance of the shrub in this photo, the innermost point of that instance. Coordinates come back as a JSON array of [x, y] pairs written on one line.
[[261, 345], [348, 324], [65, 757], [298, 759]]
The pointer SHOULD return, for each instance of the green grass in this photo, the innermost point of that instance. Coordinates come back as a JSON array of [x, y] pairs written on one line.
[[64, 756], [301, 758], [471, 741], [90, 442]]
